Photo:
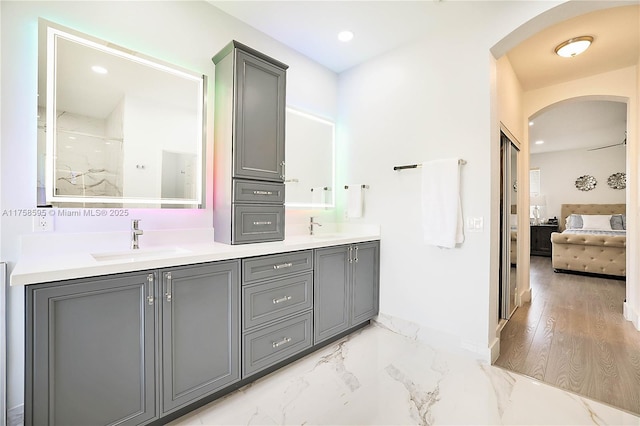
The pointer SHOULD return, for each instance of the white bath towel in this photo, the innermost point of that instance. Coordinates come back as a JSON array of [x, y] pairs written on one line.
[[441, 209], [355, 201]]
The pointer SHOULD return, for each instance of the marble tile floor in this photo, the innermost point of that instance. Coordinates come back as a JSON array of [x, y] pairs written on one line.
[[378, 377]]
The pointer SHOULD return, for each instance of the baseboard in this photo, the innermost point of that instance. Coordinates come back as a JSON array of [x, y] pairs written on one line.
[[631, 315], [525, 296], [436, 338], [494, 348], [15, 416]]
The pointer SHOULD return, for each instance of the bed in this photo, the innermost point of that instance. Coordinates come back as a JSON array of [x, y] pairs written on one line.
[[585, 244]]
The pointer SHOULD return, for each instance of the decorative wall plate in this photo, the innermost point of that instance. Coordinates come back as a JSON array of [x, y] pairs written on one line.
[[617, 180], [586, 183]]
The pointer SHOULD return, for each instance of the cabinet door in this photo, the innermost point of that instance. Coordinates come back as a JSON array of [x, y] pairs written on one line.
[[258, 145], [90, 352], [330, 292], [200, 331], [365, 282]]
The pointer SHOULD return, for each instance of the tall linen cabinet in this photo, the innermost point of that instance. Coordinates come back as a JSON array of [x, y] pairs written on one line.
[[249, 166]]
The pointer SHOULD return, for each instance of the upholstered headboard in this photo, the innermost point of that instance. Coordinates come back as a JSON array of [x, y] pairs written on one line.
[[568, 209]]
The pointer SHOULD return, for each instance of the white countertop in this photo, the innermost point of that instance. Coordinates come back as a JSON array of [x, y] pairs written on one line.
[[55, 263]]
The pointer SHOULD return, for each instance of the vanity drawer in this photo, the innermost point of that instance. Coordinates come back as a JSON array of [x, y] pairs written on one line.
[[274, 266], [257, 223], [247, 191], [265, 347], [273, 300]]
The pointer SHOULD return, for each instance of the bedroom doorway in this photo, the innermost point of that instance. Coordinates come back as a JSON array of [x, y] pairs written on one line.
[[573, 333]]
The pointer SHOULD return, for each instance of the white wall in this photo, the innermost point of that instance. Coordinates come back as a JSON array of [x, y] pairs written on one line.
[[559, 171], [145, 141], [187, 34], [430, 99]]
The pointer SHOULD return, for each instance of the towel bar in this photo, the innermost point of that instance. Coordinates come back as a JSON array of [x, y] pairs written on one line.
[[416, 166], [326, 188], [363, 187]]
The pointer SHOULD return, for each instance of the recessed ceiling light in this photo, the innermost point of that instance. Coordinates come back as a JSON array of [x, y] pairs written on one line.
[[99, 70], [539, 142], [574, 46], [345, 36], [531, 123]]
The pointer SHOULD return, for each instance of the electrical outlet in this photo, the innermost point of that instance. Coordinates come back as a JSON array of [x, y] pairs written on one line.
[[42, 223]]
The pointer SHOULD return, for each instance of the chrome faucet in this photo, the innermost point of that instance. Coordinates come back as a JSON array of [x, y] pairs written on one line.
[[311, 223], [135, 233]]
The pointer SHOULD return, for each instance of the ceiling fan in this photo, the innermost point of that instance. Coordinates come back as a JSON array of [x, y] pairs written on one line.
[[623, 143]]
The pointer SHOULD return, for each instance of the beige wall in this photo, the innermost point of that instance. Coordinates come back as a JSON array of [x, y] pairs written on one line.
[[510, 99], [510, 113]]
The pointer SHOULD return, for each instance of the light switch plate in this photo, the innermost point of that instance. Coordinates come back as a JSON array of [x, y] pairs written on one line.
[[475, 224]]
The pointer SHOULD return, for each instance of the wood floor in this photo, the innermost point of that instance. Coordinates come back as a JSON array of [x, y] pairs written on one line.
[[573, 335]]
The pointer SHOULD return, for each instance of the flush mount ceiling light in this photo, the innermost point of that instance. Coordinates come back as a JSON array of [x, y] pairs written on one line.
[[345, 36], [99, 70], [539, 142], [574, 47]]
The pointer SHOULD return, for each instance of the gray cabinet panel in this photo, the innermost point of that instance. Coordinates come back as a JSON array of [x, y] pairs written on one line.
[[249, 145], [365, 282], [258, 223], [248, 191], [92, 348], [273, 300], [346, 287], [273, 266], [260, 100], [331, 292], [200, 331], [269, 345]]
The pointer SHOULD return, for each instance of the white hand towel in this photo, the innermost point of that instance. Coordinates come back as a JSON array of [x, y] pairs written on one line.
[[318, 195], [441, 209], [354, 201]]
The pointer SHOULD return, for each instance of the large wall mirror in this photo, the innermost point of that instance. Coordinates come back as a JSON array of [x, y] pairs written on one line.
[[115, 127], [310, 154]]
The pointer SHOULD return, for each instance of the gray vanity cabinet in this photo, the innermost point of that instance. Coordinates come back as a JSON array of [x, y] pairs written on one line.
[[249, 169], [91, 352], [129, 349], [277, 304], [346, 287], [200, 331]]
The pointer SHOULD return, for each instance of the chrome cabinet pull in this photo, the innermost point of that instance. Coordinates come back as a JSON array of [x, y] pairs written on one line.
[[262, 192], [356, 257], [283, 265], [167, 295], [281, 342], [150, 289], [283, 173], [350, 254], [262, 223], [282, 299]]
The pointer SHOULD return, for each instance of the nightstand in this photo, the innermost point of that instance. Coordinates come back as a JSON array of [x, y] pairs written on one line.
[[541, 239]]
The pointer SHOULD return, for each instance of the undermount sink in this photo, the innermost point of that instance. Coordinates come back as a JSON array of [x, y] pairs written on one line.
[[133, 255]]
